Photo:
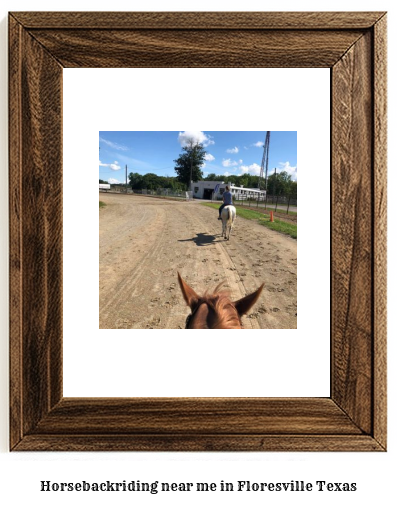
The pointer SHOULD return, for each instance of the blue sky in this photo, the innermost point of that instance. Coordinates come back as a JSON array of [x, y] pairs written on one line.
[[227, 152]]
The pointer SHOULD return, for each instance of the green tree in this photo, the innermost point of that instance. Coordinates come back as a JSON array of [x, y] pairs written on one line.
[[279, 183], [293, 190], [188, 164], [214, 177], [253, 181], [173, 184], [136, 181], [151, 181], [231, 179], [248, 180]]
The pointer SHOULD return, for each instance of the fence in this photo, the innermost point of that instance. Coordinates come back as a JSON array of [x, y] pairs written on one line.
[[121, 189], [166, 192], [271, 202]]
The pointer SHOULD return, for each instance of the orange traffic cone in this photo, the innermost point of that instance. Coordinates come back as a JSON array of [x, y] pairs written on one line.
[[271, 216]]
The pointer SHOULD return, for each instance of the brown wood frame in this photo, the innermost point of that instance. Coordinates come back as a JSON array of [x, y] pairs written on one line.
[[353, 46]]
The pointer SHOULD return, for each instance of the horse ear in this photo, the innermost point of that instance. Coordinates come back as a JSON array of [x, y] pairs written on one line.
[[189, 295], [244, 304]]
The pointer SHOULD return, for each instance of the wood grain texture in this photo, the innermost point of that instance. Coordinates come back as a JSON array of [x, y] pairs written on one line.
[[353, 45], [205, 443], [352, 233], [196, 48], [36, 241], [15, 228], [202, 20], [41, 87], [380, 229], [298, 416]]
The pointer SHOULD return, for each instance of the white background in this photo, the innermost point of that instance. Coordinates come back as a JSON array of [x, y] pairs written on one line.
[[20, 473], [211, 363]]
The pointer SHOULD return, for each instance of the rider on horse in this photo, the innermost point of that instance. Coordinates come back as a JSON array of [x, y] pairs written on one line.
[[227, 201]]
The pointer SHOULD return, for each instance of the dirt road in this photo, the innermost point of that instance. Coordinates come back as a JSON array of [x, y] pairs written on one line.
[[143, 242]]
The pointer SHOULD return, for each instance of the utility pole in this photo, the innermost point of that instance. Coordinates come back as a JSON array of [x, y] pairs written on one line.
[[126, 185], [191, 165], [191, 170]]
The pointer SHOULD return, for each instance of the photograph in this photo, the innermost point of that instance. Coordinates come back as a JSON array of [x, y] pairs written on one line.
[[198, 229]]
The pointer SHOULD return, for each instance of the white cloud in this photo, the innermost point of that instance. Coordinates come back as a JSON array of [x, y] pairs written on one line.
[[259, 144], [292, 170], [197, 136], [226, 174], [115, 166], [232, 150], [253, 169], [229, 163], [208, 157], [113, 181], [115, 146]]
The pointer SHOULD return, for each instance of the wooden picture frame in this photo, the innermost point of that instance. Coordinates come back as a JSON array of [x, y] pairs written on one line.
[[353, 46]]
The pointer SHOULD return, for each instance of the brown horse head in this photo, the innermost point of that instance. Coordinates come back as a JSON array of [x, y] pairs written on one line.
[[216, 310]]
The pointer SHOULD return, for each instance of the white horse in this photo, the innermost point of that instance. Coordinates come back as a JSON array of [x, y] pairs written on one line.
[[228, 217]]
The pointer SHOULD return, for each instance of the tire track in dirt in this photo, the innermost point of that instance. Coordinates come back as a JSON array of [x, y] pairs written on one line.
[[115, 235], [129, 288]]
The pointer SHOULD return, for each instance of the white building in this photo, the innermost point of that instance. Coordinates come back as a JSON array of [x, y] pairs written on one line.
[[215, 189]]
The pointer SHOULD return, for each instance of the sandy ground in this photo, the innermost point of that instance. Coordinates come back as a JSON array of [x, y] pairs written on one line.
[[143, 242]]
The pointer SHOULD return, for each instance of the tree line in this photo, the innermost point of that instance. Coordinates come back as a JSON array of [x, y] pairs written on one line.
[[188, 167], [151, 181]]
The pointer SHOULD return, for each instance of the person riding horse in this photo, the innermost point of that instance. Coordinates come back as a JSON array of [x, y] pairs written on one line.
[[227, 201]]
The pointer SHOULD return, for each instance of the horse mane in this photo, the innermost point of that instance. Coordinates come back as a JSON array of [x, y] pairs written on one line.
[[224, 314]]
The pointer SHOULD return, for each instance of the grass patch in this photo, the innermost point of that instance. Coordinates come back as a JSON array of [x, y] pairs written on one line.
[[101, 204], [278, 225]]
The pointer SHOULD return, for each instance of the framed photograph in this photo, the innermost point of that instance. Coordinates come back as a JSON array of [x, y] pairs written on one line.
[[353, 47]]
